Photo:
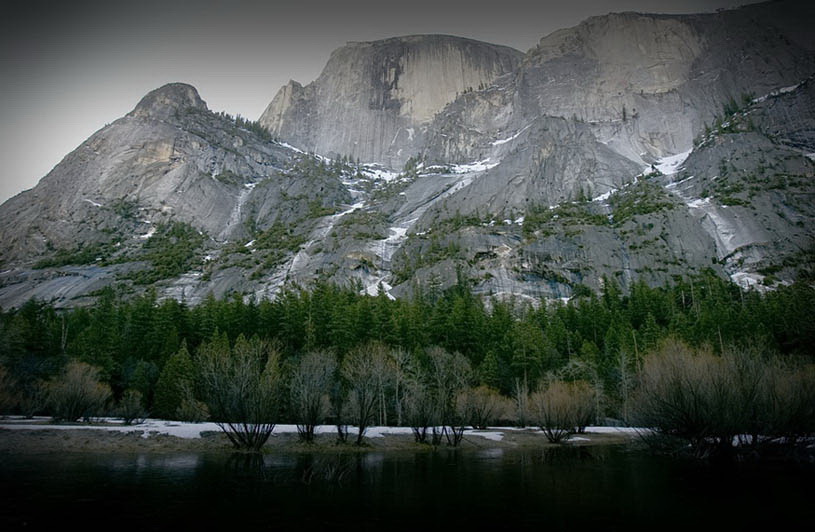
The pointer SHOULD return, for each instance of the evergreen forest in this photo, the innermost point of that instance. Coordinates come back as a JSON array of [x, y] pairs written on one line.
[[156, 356]]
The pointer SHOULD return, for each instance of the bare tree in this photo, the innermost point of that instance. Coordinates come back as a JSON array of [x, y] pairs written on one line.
[[310, 386], [365, 372], [449, 374], [400, 364], [383, 375], [420, 412], [241, 388], [416, 398], [520, 395], [338, 400]]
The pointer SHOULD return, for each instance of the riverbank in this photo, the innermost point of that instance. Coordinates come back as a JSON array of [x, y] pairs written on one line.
[[41, 436]]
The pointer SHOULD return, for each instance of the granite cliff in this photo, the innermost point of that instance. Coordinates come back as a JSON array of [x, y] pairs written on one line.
[[630, 147], [374, 100]]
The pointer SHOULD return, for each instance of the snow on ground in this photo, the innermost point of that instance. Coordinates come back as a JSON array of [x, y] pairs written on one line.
[[677, 183], [673, 163], [724, 232], [153, 427], [487, 434], [379, 432], [235, 215], [477, 166], [384, 250], [396, 234], [149, 233], [149, 428], [92, 202], [778, 92], [373, 288], [319, 233], [604, 197], [616, 430], [289, 146], [386, 247], [510, 139], [749, 280], [698, 203], [375, 171]]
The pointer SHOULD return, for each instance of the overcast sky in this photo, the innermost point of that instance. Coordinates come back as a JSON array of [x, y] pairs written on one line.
[[67, 68]]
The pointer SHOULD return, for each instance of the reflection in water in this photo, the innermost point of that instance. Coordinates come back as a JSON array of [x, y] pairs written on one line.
[[560, 488], [247, 465], [328, 470], [495, 453]]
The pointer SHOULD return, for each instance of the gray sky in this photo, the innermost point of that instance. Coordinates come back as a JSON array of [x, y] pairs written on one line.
[[67, 68]]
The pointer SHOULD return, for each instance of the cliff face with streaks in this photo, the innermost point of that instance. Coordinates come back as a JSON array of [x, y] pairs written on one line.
[[374, 100], [630, 147]]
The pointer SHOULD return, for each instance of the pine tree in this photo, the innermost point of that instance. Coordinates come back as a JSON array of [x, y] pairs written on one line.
[[175, 381]]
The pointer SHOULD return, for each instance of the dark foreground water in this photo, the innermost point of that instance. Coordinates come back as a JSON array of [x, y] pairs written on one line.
[[609, 488]]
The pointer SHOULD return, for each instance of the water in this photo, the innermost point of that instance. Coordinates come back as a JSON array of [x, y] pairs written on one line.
[[608, 488]]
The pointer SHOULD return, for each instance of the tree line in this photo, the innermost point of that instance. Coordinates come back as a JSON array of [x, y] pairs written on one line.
[[437, 362]]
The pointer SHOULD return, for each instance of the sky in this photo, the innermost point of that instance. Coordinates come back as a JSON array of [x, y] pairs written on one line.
[[67, 68]]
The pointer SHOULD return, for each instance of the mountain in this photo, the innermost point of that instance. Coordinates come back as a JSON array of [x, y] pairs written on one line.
[[170, 178], [374, 100], [630, 147]]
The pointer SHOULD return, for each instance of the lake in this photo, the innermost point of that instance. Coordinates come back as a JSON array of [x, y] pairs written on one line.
[[571, 488]]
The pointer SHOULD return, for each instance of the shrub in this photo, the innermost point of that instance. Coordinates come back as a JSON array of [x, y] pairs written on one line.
[[712, 401], [562, 408], [131, 409], [787, 411], [77, 393], [191, 409], [482, 406], [7, 397], [675, 393], [32, 398]]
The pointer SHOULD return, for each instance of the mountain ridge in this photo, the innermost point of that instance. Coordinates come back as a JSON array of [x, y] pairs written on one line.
[[629, 147]]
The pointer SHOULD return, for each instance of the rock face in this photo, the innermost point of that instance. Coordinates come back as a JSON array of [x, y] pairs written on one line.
[[374, 99], [630, 147], [642, 85], [169, 161], [170, 158]]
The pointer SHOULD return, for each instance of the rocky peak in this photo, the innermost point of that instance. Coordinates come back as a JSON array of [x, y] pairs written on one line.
[[374, 98], [163, 102]]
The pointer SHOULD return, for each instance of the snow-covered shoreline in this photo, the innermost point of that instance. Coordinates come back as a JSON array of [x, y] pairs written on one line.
[[156, 427]]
